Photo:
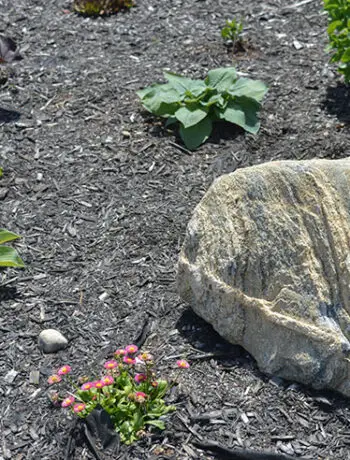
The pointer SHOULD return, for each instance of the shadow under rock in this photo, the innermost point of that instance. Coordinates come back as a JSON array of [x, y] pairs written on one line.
[[337, 102], [211, 345], [7, 116], [202, 336]]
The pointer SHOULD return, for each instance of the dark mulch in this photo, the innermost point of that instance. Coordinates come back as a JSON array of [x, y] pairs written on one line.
[[102, 193]]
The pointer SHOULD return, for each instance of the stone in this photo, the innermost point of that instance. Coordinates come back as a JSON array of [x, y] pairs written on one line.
[[51, 340], [10, 376], [266, 261]]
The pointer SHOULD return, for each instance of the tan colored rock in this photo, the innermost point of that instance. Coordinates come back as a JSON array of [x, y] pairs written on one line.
[[266, 261]]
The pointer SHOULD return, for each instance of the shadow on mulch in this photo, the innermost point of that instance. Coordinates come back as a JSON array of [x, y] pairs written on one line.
[[7, 116], [7, 293], [222, 131], [337, 102]]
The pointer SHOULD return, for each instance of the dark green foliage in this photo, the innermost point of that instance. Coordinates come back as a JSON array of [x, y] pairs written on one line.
[[100, 7], [339, 34]]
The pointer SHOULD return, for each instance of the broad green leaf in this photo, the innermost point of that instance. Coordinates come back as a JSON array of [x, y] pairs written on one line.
[[157, 423], [6, 236], [166, 110], [194, 136], [190, 116], [1, 171], [183, 84], [254, 89], [153, 98], [242, 112], [221, 79], [9, 257]]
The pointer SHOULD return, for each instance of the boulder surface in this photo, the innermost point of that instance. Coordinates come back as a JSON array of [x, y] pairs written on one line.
[[266, 261]]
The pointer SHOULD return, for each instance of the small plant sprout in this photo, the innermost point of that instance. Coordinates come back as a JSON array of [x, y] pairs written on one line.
[[9, 256], [128, 389], [100, 7], [232, 31], [195, 104]]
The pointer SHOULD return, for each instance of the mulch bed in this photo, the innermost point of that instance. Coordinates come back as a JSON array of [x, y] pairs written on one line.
[[101, 193]]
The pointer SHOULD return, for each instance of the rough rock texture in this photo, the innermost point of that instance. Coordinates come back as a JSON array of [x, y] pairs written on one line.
[[51, 340], [266, 261]]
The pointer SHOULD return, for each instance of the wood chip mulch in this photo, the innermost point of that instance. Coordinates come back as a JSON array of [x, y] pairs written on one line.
[[101, 193]]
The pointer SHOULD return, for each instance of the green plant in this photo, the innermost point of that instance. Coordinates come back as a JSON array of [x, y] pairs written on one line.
[[100, 7], [339, 34], [196, 104], [232, 31], [132, 399], [9, 256]]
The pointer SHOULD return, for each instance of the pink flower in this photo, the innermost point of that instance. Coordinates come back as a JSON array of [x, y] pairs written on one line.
[[78, 407], [120, 352], [108, 380], [87, 386], [182, 364], [140, 378], [129, 360], [68, 401], [98, 384], [131, 349], [110, 364], [140, 397], [54, 379], [146, 357], [64, 370]]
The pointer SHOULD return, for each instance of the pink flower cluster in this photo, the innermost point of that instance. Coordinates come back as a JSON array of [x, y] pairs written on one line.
[[104, 382], [128, 354]]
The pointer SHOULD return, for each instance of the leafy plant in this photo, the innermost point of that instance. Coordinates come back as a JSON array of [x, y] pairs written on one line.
[[196, 104], [100, 7], [128, 391], [339, 34], [9, 256], [232, 31]]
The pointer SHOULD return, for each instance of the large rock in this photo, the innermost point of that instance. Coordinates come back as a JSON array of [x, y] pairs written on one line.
[[266, 261]]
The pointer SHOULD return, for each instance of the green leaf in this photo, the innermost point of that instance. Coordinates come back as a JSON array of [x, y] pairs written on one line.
[[242, 112], [6, 236], [182, 84], [254, 89], [157, 423], [10, 258], [190, 116], [194, 136], [221, 79], [160, 99]]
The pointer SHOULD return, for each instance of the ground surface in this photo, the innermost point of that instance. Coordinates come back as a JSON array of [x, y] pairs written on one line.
[[102, 194]]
